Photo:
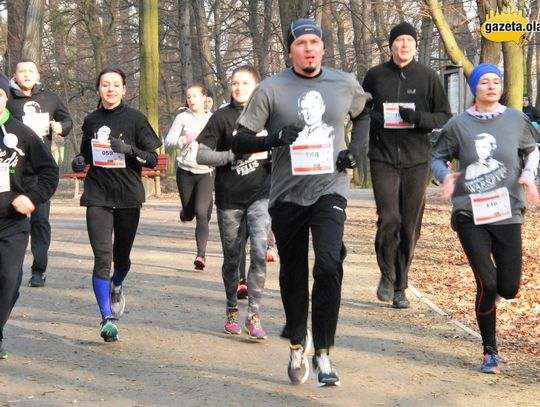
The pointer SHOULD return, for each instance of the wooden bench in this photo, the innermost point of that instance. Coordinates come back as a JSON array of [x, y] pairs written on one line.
[[151, 177]]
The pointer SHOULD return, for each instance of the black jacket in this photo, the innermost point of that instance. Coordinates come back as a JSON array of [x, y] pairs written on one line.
[[118, 187], [44, 100], [415, 83], [24, 149]]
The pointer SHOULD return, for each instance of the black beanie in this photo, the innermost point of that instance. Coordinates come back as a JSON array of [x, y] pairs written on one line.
[[300, 27], [4, 83], [403, 28]]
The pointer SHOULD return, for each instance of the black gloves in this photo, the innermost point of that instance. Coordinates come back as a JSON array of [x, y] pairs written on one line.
[[287, 135], [118, 146], [345, 159], [409, 115], [78, 164]]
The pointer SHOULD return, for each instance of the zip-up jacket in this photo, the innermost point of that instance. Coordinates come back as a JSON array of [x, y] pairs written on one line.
[[414, 83]]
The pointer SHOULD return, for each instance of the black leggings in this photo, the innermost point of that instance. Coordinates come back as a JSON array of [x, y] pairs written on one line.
[[101, 223], [196, 197], [494, 253]]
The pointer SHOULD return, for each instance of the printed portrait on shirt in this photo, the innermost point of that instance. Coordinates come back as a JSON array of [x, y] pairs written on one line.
[[486, 172], [311, 109]]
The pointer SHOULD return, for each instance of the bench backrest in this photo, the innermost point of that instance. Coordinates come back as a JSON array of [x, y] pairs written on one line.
[[162, 161]]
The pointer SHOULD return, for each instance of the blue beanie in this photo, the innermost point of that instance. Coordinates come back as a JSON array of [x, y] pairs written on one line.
[[478, 72], [301, 27]]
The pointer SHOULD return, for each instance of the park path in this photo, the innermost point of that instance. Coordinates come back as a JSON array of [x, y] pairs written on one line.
[[172, 350]]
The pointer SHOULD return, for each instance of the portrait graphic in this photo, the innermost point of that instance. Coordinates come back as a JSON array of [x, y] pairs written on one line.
[[311, 109], [485, 145]]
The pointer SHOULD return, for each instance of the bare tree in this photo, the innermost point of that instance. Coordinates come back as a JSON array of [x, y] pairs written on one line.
[[33, 28], [149, 51], [15, 33]]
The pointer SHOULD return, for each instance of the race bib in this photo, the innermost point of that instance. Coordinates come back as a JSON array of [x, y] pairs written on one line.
[[392, 119], [312, 159], [5, 186], [39, 122], [492, 206], [103, 156]]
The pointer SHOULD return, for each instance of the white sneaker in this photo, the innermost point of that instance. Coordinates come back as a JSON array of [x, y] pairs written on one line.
[[298, 368], [118, 301]]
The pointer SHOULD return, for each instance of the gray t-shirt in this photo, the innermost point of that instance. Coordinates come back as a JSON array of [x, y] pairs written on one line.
[[490, 156], [320, 105]]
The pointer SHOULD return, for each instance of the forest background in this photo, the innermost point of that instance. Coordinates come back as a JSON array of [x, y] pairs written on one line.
[[163, 46]]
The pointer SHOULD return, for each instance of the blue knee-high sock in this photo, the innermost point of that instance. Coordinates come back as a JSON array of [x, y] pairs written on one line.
[[102, 291], [119, 276]]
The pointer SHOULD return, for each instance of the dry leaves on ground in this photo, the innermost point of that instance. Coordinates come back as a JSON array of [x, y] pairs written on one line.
[[441, 272]]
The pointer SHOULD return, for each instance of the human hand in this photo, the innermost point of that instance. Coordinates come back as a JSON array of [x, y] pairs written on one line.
[[190, 137], [118, 146], [345, 159], [23, 204], [531, 191], [78, 164], [56, 127], [409, 115], [449, 183]]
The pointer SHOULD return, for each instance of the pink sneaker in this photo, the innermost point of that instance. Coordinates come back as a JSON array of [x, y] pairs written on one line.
[[232, 326], [200, 263], [252, 326], [242, 291]]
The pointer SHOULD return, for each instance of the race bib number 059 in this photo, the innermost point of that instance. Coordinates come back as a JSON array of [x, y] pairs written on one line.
[[103, 156]]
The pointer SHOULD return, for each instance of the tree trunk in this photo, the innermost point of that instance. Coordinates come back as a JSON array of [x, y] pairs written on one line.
[[220, 69], [33, 29], [90, 17], [186, 62], [289, 11], [426, 40], [338, 17], [490, 51], [149, 54], [15, 34], [454, 51], [327, 27], [203, 42]]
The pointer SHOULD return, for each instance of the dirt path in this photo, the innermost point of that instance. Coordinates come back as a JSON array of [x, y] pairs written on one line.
[[172, 351]]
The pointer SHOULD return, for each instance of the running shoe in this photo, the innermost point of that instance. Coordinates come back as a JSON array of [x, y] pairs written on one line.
[[298, 369], [200, 263], [324, 373], [271, 255], [109, 331], [491, 364], [252, 326], [183, 219], [400, 300], [3, 352], [242, 291], [232, 326], [385, 290], [37, 280], [118, 301]]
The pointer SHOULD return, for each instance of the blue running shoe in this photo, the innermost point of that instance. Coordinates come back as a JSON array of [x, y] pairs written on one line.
[[491, 364]]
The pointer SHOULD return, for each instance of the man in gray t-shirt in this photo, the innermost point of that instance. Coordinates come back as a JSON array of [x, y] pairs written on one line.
[[309, 186]]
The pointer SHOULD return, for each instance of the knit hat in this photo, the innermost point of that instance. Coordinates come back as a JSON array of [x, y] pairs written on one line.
[[478, 72], [301, 27], [403, 28], [4, 83]]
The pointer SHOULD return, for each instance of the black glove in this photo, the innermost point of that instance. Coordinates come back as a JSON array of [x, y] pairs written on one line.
[[409, 115], [118, 146], [287, 135], [345, 159], [78, 164]]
